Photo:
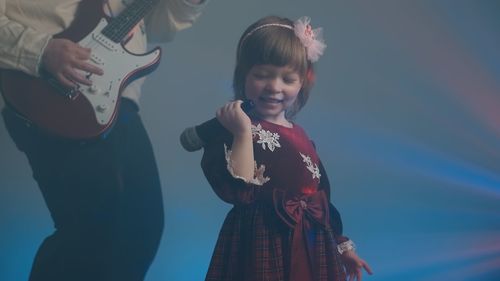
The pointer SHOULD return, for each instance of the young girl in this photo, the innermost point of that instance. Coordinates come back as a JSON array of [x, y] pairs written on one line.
[[282, 226]]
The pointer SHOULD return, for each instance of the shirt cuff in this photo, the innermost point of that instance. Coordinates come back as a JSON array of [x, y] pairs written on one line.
[[39, 62]]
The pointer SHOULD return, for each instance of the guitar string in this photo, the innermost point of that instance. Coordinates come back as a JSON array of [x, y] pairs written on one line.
[[92, 44], [137, 11], [124, 24]]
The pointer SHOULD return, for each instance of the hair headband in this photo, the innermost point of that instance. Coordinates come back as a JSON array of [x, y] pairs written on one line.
[[312, 39]]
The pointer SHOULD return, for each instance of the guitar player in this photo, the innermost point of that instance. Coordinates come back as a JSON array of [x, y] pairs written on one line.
[[104, 192]]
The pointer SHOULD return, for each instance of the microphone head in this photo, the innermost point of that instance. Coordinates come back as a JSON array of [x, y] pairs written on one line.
[[247, 105], [190, 140]]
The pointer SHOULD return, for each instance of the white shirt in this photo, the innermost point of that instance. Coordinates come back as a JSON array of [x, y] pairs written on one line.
[[26, 26]]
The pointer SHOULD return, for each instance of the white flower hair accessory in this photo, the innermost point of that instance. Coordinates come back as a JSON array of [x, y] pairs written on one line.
[[311, 38]]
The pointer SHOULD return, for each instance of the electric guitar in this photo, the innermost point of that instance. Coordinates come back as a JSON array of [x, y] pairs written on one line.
[[85, 112]]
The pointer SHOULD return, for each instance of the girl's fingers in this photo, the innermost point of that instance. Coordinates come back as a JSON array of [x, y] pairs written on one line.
[[367, 268], [359, 274]]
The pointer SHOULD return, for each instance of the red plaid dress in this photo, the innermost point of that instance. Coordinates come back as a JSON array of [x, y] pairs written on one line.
[[282, 227]]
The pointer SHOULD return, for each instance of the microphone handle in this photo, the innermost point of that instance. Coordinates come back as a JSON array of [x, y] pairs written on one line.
[[195, 138], [209, 130], [213, 128]]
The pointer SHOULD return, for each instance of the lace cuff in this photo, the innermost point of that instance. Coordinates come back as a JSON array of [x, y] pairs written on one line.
[[258, 174], [346, 246]]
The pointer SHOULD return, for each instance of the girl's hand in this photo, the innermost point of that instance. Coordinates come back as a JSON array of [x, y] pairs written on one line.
[[234, 119], [67, 61], [354, 266]]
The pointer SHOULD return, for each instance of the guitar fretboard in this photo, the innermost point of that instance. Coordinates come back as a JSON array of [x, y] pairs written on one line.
[[120, 26]]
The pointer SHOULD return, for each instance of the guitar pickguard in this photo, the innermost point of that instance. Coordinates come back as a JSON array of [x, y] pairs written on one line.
[[119, 67]]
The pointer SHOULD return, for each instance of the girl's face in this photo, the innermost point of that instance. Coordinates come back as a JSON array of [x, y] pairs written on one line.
[[273, 89]]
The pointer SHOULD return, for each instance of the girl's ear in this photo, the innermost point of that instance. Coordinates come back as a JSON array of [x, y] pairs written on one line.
[[310, 76]]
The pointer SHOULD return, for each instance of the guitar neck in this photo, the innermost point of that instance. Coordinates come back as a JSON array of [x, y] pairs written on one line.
[[120, 26]]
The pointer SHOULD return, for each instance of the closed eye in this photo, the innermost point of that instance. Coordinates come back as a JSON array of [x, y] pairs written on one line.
[[290, 80], [261, 75]]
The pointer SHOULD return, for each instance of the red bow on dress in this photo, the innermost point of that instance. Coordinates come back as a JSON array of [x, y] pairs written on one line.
[[301, 213]]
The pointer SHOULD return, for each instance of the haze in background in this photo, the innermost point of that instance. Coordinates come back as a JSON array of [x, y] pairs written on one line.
[[405, 115]]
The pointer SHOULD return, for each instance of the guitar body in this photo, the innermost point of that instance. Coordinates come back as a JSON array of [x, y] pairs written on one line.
[[86, 112]]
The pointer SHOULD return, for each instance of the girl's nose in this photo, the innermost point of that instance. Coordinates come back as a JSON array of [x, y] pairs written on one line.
[[274, 85]]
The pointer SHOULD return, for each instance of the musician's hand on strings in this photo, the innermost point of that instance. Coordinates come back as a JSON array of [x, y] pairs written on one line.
[[68, 62]]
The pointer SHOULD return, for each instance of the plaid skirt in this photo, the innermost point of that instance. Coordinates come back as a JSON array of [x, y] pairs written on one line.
[[254, 244]]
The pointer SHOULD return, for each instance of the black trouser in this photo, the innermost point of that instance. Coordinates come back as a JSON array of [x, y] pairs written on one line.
[[104, 197]]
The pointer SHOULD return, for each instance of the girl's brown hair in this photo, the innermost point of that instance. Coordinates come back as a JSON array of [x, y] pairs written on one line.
[[276, 45]]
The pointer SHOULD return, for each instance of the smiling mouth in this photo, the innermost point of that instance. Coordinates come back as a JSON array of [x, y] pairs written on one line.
[[270, 100]]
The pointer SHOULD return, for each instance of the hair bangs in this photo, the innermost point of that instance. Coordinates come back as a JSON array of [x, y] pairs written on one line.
[[281, 48]]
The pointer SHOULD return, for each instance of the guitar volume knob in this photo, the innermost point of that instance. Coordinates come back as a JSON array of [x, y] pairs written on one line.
[[101, 108], [93, 89]]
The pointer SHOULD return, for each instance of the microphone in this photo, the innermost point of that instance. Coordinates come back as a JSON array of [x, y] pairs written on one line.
[[195, 138]]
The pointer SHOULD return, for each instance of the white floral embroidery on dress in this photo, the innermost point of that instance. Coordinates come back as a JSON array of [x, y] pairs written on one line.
[[258, 178], [313, 168], [266, 137]]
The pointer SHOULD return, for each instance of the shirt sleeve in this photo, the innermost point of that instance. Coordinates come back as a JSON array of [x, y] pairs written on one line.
[[21, 47], [171, 16]]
